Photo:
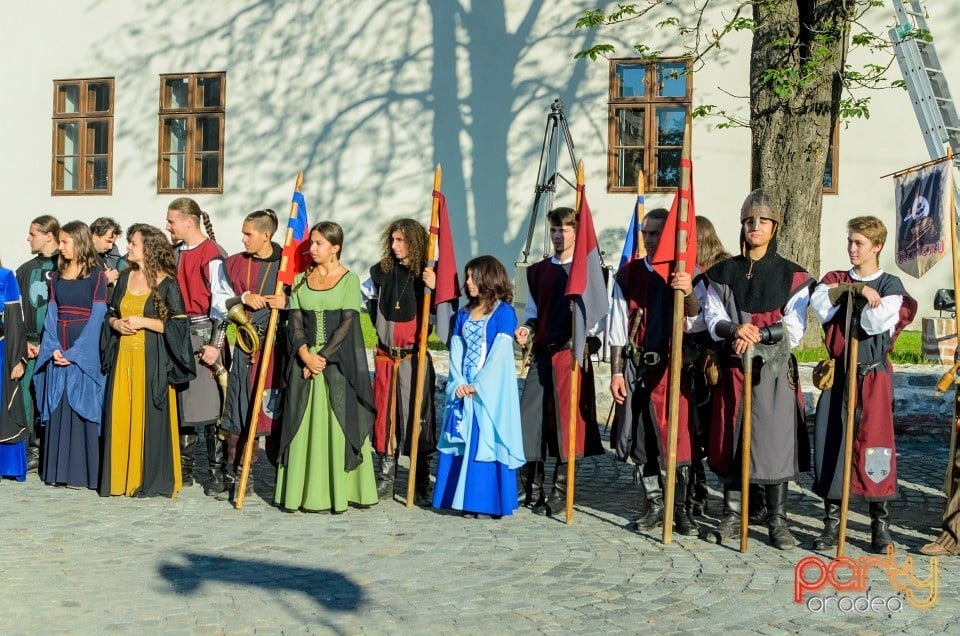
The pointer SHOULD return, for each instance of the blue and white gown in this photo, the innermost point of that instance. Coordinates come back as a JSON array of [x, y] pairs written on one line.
[[481, 444]]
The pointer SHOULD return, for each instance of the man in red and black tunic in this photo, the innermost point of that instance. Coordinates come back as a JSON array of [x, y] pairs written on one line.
[[639, 336], [874, 306], [545, 401], [205, 290], [394, 294], [253, 276]]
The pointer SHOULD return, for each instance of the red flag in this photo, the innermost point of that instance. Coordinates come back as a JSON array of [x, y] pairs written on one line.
[[446, 296], [586, 286], [296, 250], [666, 253]]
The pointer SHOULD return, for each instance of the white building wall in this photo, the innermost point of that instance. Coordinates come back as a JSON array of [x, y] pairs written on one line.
[[366, 97]]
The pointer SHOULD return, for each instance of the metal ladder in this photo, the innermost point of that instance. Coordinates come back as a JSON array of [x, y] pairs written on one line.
[[925, 80]]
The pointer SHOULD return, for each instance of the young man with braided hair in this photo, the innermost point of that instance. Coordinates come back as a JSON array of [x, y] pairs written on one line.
[[206, 290]]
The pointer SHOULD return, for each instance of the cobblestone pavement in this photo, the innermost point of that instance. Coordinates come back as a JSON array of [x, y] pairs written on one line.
[[71, 562]]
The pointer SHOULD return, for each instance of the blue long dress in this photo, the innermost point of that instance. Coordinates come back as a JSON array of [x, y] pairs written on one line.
[[70, 398], [481, 445], [13, 432]]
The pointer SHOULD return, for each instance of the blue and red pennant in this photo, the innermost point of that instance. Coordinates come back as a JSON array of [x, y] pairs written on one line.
[[296, 251]]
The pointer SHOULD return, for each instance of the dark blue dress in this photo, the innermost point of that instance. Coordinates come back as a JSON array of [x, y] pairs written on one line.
[[70, 397], [13, 454]]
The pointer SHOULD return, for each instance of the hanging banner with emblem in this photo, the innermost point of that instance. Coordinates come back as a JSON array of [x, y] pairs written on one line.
[[923, 217]]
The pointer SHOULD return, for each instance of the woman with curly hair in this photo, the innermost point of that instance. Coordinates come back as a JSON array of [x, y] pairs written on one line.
[[145, 347], [480, 445], [68, 379], [394, 294]]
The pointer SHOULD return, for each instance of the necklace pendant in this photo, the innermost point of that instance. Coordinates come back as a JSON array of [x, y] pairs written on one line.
[[749, 275], [397, 305]]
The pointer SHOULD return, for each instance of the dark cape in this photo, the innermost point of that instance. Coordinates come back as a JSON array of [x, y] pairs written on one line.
[[169, 362], [13, 422], [641, 424], [545, 401], [346, 373], [874, 466], [757, 292]]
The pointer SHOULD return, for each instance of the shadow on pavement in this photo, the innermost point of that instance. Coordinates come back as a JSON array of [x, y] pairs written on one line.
[[328, 589]]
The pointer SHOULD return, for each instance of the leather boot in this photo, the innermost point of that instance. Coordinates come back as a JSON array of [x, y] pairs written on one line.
[[831, 526], [652, 491], [530, 494], [556, 501], [729, 526], [188, 458], [215, 463], [780, 536], [231, 472], [682, 516], [698, 494], [421, 485], [33, 458], [386, 476], [758, 504], [880, 538]]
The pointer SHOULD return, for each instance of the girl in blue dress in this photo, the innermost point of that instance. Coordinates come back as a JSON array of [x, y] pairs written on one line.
[[480, 444]]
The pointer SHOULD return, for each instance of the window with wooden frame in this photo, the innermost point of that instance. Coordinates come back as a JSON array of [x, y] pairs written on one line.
[[831, 175], [82, 136], [192, 108], [649, 106]]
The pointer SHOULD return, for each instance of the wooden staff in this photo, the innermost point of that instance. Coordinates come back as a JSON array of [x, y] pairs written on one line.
[[951, 476], [574, 386], [639, 251], [746, 440], [676, 342], [852, 353], [422, 343], [265, 355]]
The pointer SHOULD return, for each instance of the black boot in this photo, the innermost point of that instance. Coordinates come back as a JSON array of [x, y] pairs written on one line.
[[215, 463], [386, 476], [880, 538], [652, 491], [188, 458], [556, 501], [831, 526], [729, 526], [698, 494], [683, 503], [33, 458], [758, 504], [231, 471], [421, 485], [530, 494], [780, 536]]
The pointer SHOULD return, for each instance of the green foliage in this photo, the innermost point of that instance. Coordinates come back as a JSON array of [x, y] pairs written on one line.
[[908, 349]]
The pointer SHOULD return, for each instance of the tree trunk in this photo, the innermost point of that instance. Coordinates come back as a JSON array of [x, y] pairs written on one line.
[[802, 43]]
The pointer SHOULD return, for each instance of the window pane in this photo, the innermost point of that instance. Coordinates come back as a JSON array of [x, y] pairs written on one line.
[[67, 179], [176, 92], [68, 98], [828, 171], [208, 134], [97, 173], [175, 177], [629, 163], [67, 138], [98, 97], [208, 89], [670, 124], [209, 170], [630, 78], [98, 137], [671, 79], [629, 127], [175, 135], [668, 168]]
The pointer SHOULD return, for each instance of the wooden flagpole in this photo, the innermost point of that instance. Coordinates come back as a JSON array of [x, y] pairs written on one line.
[[852, 354], [638, 249], [676, 342], [422, 343], [951, 476], [746, 439], [265, 355], [574, 386]]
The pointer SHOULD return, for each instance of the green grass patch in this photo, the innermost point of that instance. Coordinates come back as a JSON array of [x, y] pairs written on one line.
[[908, 349]]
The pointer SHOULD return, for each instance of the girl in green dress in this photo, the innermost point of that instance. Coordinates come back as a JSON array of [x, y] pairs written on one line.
[[328, 409]]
